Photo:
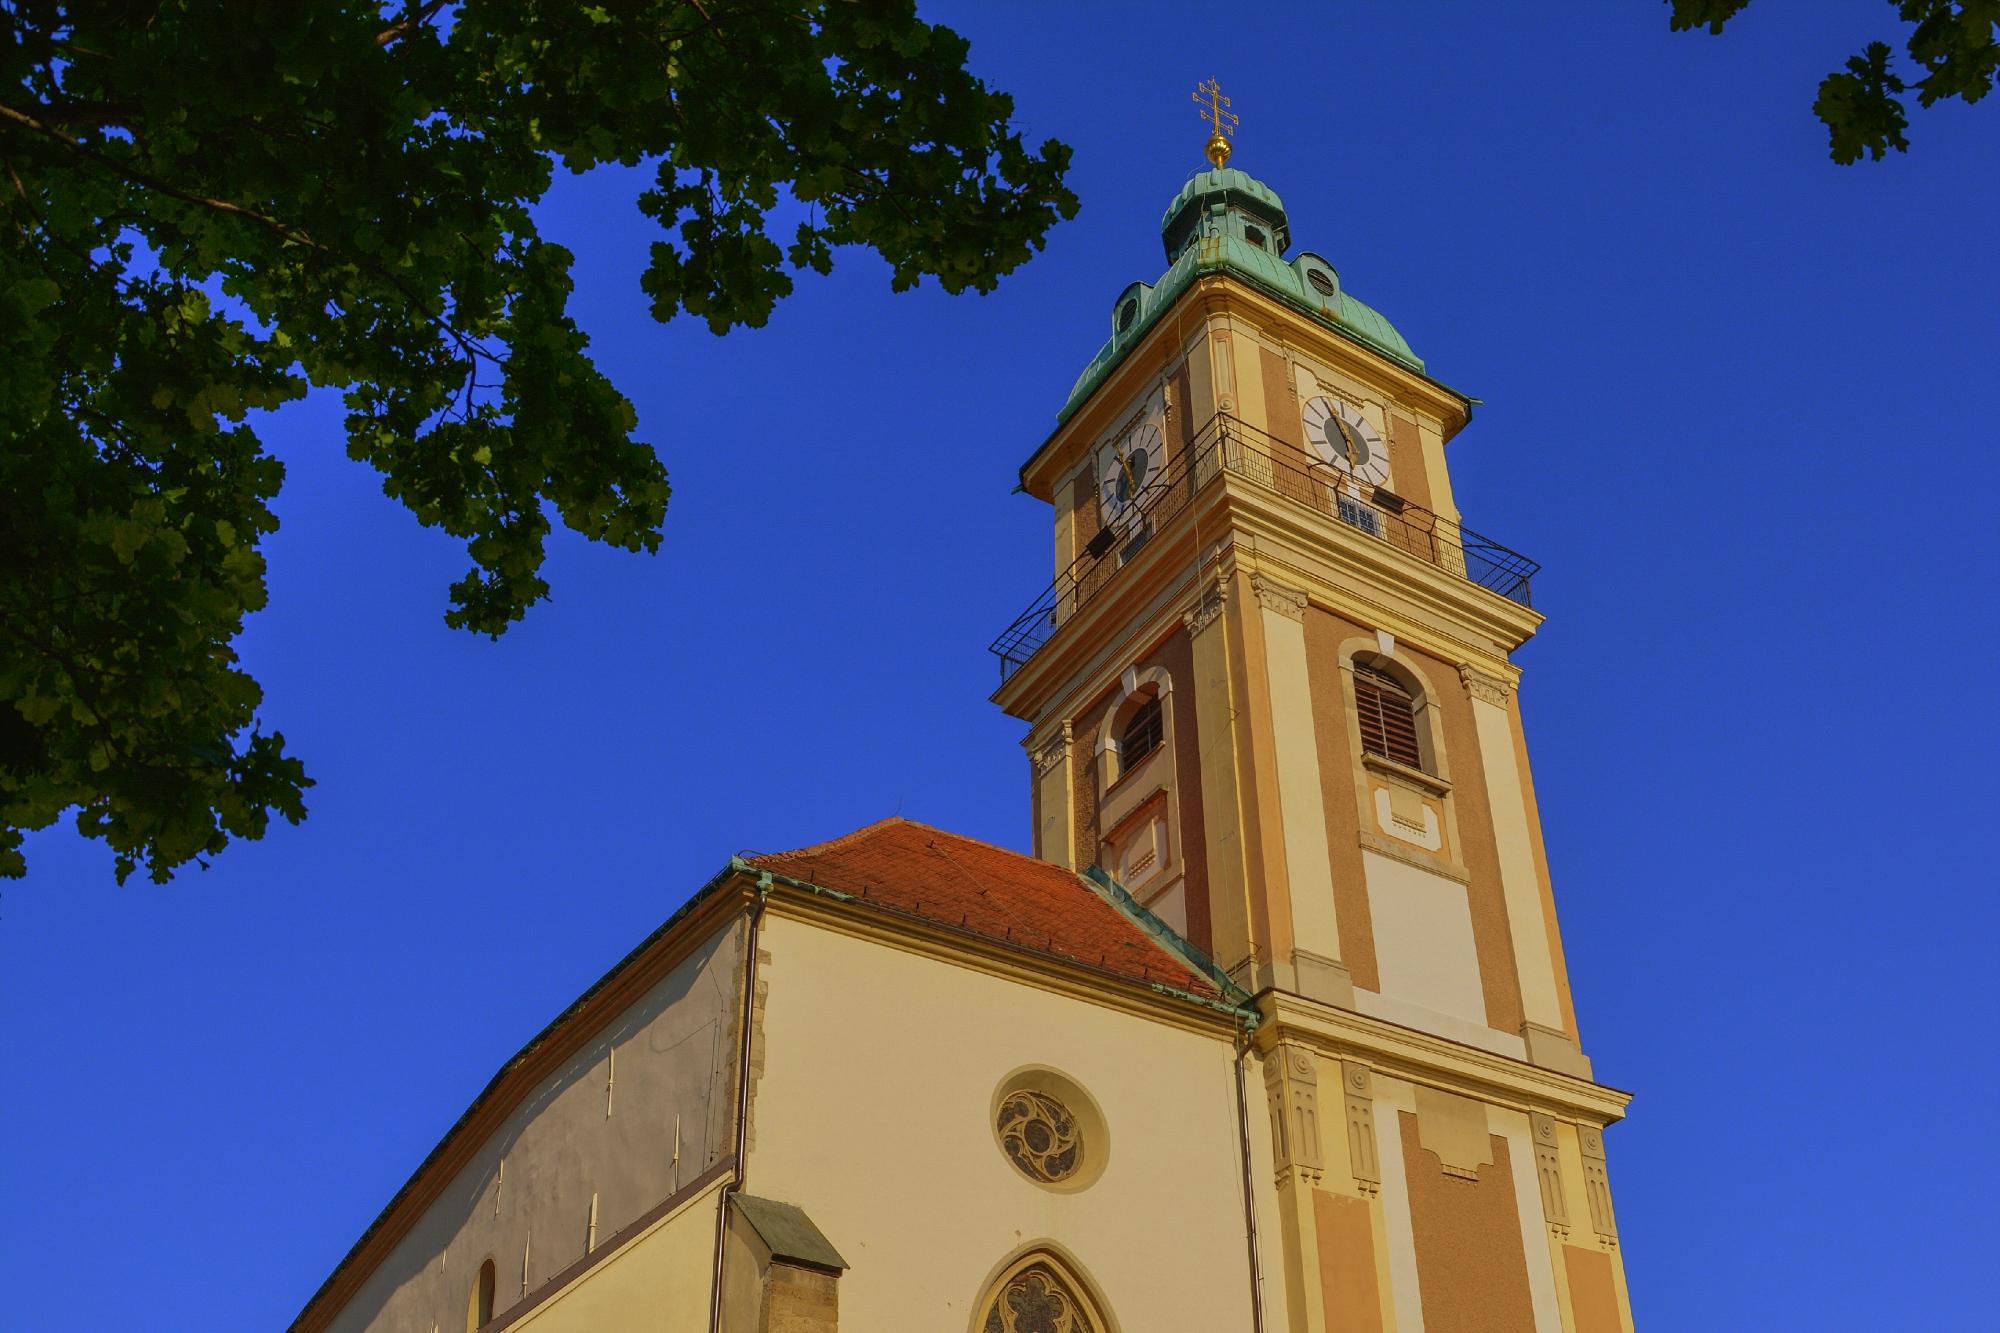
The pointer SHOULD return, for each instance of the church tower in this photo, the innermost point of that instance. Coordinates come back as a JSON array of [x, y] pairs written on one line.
[[1270, 695]]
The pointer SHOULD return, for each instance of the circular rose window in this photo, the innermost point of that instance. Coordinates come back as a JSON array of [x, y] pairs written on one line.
[[1040, 1136], [1050, 1129]]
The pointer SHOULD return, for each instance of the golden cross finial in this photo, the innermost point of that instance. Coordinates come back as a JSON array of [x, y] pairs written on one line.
[[1224, 122]]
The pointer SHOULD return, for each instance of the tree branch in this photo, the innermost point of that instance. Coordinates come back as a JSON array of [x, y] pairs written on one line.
[[409, 24], [154, 182]]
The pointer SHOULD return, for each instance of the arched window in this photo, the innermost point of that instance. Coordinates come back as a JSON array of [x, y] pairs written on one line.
[[1388, 715], [1144, 731], [1038, 1294], [479, 1306]]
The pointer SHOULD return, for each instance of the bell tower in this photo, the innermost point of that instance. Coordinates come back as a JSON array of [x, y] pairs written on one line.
[[1270, 693]]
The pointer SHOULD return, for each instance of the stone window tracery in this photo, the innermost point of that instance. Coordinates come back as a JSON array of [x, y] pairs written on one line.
[[1040, 1136], [1037, 1296]]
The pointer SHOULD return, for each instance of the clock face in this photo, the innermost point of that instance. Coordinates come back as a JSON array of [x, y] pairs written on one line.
[[1342, 437], [1128, 472]]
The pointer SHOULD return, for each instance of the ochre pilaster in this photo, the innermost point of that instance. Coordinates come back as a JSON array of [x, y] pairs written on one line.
[[1268, 883], [1291, 1085]]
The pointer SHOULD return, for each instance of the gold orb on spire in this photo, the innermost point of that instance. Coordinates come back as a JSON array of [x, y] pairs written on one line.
[[1222, 121]]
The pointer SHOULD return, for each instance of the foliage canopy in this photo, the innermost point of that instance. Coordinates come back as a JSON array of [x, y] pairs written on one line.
[[1956, 43], [209, 206]]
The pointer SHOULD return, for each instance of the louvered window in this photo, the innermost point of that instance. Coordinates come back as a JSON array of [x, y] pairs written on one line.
[[1142, 735], [1388, 716]]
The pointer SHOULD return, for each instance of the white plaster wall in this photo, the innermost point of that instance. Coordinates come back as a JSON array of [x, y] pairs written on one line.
[[873, 1114], [1424, 949], [674, 1064]]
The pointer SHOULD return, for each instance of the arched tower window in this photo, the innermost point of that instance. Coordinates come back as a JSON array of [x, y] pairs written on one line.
[[1143, 733], [1388, 714], [1039, 1294], [479, 1305]]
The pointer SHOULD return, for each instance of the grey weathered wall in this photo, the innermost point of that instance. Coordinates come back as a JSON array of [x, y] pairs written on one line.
[[524, 1200]]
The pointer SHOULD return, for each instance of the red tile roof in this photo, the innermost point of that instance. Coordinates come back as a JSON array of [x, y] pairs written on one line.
[[925, 872]]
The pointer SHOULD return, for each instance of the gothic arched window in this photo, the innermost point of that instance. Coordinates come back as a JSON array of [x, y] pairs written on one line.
[[1038, 1294]]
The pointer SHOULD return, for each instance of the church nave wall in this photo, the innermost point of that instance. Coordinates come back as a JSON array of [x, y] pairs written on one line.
[[875, 1113]]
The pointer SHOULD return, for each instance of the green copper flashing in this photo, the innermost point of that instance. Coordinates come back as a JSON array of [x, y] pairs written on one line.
[[766, 878], [1236, 1000]]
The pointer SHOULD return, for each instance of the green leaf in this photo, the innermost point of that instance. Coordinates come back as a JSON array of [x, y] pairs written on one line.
[[241, 251]]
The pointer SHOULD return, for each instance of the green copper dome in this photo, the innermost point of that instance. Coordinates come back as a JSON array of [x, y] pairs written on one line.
[[1223, 188], [1227, 221]]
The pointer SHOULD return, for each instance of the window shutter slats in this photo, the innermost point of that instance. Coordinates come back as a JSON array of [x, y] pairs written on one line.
[[1388, 717], [1143, 734]]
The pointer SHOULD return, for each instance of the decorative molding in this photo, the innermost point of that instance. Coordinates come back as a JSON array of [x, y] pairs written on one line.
[[1597, 1184], [1275, 596], [1597, 1189], [1358, 1091], [1292, 1080], [1485, 688], [1207, 609], [1052, 752], [1548, 1170]]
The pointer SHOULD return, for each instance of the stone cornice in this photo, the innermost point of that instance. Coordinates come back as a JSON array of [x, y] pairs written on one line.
[[1421, 1057], [1434, 608]]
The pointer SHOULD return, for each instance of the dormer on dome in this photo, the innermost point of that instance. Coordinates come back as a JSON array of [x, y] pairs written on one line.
[[1226, 221]]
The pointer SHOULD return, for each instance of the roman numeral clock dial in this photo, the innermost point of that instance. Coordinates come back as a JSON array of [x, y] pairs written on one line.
[[1127, 473], [1341, 437]]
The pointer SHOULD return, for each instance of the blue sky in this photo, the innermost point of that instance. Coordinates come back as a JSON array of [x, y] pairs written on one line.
[[1738, 401]]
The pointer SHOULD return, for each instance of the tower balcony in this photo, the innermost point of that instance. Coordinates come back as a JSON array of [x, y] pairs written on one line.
[[1230, 447]]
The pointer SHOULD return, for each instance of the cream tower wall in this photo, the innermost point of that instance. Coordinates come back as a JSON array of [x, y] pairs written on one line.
[[1403, 915], [1377, 912], [881, 1069], [635, 1117]]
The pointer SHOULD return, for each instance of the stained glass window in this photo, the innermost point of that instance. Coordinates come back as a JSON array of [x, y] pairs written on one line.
[[1036, 1299]]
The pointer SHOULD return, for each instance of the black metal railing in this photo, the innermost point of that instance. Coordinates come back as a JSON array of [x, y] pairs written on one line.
[[1229, 445]]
